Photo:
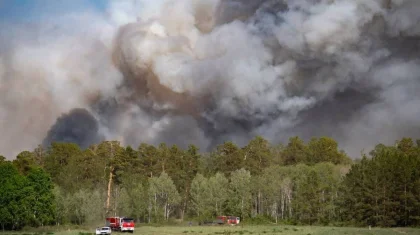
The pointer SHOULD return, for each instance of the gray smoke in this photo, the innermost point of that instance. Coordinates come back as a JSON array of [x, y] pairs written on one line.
[[206, 71], [78, 126]]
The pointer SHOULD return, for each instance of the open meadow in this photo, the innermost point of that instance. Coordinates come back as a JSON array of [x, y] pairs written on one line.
[[239, 230], [270, 230]]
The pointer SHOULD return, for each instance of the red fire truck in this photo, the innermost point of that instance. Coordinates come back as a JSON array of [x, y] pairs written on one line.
[[232, 220], [122, 224]]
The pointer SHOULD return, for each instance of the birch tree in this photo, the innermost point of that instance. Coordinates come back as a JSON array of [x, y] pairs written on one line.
[[200, 192], [163, 194], [131, 200], [240, 192], [218, 185]]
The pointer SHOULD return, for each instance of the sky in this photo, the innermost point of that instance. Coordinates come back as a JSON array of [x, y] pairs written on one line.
[[23, 11], [349, 70]]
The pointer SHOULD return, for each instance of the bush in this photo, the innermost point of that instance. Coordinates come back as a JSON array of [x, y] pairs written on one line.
[[258, 220]]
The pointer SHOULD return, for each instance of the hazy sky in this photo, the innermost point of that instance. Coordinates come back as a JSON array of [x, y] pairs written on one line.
[[21, 11], [195, 75]]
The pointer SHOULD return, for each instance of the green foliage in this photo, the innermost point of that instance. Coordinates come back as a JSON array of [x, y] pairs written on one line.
[[325, 149], [227, 158], [85, 206], [383, 190], [259, 220], [43, 207], [57, 160], [25, 200], [201, 197], [14, 197], [163, 196], [24, 162], [131, 200], [240, 193], [219, 192], [312, 183], [258, 155], [61, 209], [296, 151], [318, 150]]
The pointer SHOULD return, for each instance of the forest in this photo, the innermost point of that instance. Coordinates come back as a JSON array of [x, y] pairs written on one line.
[[301, 183]]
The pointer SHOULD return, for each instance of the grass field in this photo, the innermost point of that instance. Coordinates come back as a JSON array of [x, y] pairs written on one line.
[[240, 230]]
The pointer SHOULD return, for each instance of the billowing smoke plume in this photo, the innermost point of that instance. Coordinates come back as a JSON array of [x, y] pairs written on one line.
[[78, 126], [206, 71]]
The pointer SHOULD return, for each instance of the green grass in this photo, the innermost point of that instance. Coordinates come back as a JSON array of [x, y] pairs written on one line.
[[239, 230]]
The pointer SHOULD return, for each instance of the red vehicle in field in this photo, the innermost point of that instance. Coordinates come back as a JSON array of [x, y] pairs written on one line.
[[122, 224], [232, 220]]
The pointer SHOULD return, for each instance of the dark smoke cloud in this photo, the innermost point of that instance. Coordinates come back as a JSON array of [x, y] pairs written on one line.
[[78, 126], [207, 71]]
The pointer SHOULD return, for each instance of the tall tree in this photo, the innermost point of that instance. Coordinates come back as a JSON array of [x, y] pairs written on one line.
[[295, 152], [183, 168], [382, 190], [57, 158], [219, 192], [61, 208], [325, 149], [200, 193], [24, 162], [114, 155], [306, 202], [240, 194], [257, 155], [15, 198], [163, 195], [148, 157], [43, 206], [132, 200], [84, 206], [228, 158]]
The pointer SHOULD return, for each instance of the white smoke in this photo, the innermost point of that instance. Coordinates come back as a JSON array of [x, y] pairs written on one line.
[[204, 71], [49, 68]]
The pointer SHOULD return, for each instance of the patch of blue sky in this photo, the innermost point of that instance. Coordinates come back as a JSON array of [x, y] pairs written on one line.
[[24, 11]]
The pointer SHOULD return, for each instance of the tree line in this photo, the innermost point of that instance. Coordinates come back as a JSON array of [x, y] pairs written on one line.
[[296, 183]]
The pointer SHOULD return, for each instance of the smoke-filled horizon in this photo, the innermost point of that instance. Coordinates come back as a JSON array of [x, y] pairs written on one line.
[[206, 71]]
